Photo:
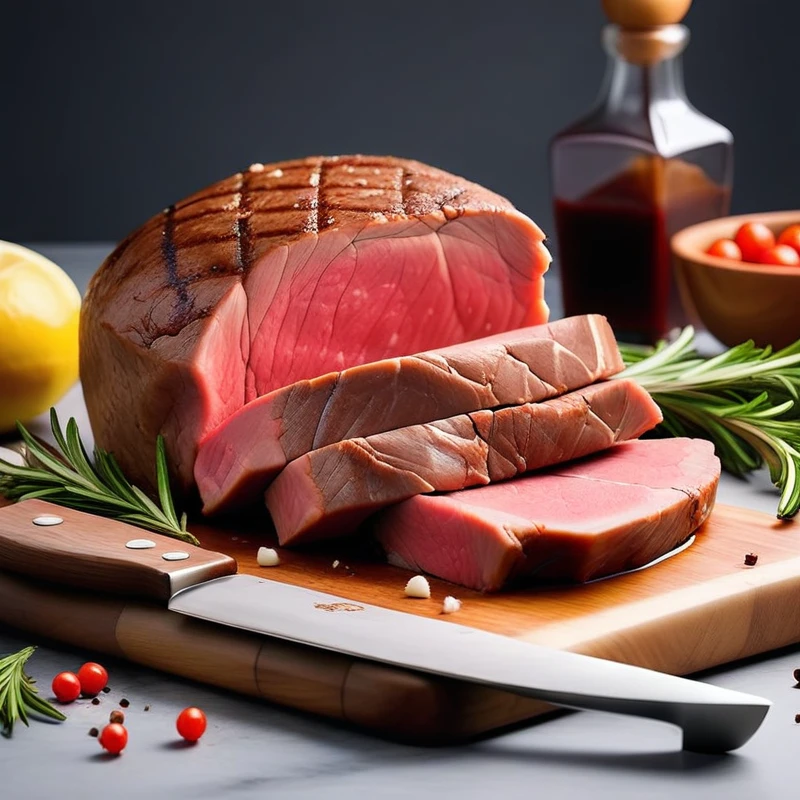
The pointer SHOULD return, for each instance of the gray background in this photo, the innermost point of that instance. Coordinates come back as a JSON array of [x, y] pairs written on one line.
[[111, 111]]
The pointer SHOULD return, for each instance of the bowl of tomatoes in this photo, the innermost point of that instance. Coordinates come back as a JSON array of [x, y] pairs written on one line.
[[740, 277]]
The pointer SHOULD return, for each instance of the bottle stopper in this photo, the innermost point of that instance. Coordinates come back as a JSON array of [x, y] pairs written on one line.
[[644, 14]]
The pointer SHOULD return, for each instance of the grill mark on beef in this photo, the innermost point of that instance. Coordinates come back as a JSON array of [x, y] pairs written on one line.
[[312, 223], [244, 242], [169, 252], [183, 310], [404, 180], [324, 218]]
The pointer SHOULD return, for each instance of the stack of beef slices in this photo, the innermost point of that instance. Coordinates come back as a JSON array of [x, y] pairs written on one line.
[[450, 458]]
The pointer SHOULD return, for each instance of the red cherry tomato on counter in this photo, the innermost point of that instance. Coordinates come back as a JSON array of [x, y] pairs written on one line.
[[191, 724], [725, 248], [113, 738], [752, 238], [66, 687], [791, 236], [780, 254], [93, 678]]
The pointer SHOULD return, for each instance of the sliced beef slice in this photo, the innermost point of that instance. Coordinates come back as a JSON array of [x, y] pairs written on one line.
[[614, 511], [237, 462], [328, 492], [285, 272]]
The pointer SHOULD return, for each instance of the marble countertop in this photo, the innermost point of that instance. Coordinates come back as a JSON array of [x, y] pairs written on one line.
[[253, 749]]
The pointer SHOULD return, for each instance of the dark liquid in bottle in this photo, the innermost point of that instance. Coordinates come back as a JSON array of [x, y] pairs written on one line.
[[614, 260], [614, 249]]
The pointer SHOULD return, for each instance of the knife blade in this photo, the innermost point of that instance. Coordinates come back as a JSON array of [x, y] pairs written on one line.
[[72, 548]]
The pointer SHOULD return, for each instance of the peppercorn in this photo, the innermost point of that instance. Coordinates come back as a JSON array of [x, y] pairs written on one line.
[[95, 701], [124, 703], [750, 559], [94, 732]]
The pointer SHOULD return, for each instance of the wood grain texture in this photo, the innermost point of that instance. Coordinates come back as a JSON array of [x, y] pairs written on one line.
[[79, 619], [699, 609], [89, 552]]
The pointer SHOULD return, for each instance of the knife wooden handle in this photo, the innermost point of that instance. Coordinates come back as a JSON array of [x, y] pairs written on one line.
[[90, 552]]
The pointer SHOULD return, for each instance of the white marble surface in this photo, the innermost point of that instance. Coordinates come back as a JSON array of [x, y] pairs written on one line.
[[256, 750]]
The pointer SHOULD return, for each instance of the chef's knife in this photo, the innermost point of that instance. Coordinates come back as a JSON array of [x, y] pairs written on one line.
[[69, 547]]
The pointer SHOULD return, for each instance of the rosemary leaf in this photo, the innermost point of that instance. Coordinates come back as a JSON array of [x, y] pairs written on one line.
[[77, 454], [163, 484]]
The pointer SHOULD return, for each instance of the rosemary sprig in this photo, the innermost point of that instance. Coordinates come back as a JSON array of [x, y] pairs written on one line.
[[101, 488], [18, 695], [745, 400]]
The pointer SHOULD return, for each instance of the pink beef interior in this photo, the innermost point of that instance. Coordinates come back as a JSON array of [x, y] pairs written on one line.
[[614, 511]]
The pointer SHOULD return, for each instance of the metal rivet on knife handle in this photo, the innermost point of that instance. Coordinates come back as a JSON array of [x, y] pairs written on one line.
[[175, 555], [47, 519], [140, 544]]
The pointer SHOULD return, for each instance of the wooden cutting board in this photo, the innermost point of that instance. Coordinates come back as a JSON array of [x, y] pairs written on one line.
[[701, 608]]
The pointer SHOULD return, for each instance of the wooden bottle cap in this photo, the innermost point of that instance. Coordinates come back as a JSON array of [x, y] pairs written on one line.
[[643, 14], [646, 31]]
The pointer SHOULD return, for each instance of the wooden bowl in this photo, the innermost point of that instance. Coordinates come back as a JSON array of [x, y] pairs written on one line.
[[735, 300]]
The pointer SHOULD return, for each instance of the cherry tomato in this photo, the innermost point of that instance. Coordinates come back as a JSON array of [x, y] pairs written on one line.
[[93, 678], [66, 687], [191, 724], [791, 236], [113, 738], [752, 238], [780, 254], [725, 248]]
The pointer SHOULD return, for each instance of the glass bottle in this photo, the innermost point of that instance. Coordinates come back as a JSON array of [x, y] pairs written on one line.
[[641, 165]]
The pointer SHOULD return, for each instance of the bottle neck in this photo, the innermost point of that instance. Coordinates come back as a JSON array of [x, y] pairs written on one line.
[[644, 68]]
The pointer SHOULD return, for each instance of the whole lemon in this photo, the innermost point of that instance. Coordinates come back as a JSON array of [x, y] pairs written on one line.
[[39, 314]]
